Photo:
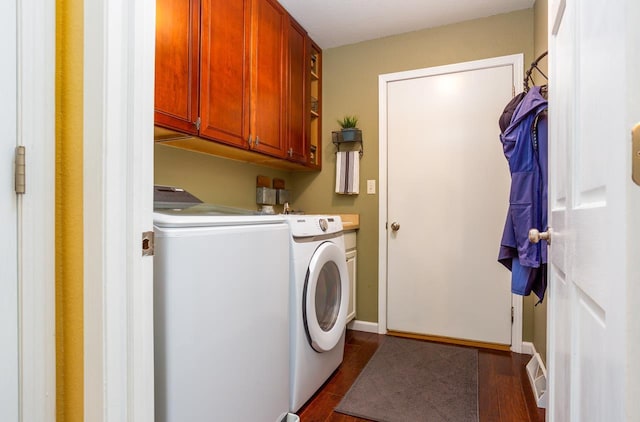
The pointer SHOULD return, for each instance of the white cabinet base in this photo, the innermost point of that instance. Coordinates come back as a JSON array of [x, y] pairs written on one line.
[[350, 246]]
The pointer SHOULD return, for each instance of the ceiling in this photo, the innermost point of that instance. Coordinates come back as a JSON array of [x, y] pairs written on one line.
[[332, 23]]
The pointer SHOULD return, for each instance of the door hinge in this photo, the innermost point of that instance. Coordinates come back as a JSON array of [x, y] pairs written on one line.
[[512, 314], [20, 169], [513, 91], [635, 154], [147, 243], [197, 123]]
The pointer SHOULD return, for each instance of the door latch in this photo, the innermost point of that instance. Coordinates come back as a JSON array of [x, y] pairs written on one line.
[[147, 243]]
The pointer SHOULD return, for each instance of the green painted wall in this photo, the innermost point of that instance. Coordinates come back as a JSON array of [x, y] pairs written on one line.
[[212, 179], [350, 86]]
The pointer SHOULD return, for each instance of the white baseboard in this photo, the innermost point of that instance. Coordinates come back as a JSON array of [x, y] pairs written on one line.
[[366, 326], [528, 348]]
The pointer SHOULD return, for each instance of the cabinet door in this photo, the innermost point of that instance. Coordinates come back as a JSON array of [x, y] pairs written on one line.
[[268, 77], [177, 64], [224, 86], [298, 100]]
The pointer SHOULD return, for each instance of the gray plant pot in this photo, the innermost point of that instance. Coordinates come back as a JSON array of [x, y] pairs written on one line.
[[349, 134]]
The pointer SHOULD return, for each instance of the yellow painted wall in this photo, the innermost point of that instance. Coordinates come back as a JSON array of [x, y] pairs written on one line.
[[69, 237], [540, 46], [350, 86]]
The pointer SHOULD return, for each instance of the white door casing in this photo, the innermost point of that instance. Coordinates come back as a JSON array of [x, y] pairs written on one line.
[[119, 42], [27, 248], [9, 215], [594, 207], [461, 182]]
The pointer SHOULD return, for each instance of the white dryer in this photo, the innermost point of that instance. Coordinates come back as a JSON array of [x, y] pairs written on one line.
[[320, 297]]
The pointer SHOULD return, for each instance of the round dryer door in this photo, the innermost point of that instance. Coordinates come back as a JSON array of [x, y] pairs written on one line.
[[326, 297]]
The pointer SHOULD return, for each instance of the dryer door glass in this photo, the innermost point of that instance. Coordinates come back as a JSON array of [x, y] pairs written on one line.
[[326, 297]]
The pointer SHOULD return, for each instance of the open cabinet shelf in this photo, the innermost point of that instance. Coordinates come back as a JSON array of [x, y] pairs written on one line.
[[315, 107]]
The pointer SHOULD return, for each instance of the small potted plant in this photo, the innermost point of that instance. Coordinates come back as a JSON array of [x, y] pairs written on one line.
[[349, 125]]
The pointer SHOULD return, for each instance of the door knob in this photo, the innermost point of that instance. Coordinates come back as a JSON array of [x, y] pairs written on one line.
[[395, 226], [535, 236]]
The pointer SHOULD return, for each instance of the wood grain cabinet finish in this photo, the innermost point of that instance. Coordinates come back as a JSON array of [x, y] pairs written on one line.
[[177, 64], [268, 77], [224, 86], [236, 73], [298, 97]]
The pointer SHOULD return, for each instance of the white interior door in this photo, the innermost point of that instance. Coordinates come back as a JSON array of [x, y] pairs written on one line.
[[8, 216], [593, 204], [447, 189]]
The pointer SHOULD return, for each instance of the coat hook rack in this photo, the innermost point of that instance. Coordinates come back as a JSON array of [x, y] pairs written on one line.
[[534, 66]]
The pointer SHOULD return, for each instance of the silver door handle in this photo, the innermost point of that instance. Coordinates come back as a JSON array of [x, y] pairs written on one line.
[[395, 226], [536, 236]]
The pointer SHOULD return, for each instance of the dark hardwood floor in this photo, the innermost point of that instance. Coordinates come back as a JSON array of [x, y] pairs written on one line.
[[504, 393]]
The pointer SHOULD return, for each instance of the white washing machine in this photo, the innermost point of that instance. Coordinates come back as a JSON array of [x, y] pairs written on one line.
[[320, 298], [221, 315]]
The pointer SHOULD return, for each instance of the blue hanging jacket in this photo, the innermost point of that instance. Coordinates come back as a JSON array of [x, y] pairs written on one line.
[[525, 146]]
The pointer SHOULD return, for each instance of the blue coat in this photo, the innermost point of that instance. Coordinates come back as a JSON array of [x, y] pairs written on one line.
[[525, 146]]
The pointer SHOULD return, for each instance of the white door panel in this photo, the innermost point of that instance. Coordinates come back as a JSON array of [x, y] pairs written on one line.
[[448, 188], [558, 318], [590, 199], [558, 312], [8, 215]]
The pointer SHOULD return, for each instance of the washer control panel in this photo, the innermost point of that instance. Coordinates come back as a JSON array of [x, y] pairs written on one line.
[[314, 225]]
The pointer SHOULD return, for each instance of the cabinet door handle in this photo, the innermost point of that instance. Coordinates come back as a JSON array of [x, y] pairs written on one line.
[[257, 141], [249, 141]]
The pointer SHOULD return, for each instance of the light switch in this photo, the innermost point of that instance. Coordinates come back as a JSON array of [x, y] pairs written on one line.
[[371, 187]]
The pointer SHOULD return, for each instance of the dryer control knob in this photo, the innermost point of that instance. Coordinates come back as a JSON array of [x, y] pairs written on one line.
[[323, 224]]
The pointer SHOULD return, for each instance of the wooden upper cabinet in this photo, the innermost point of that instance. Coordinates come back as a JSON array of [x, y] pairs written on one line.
[[268, 77], [237, 72], [177, 64], [298, 97], [225, 79]]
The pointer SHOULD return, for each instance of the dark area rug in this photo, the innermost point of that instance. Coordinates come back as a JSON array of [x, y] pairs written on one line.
[[413, 380]]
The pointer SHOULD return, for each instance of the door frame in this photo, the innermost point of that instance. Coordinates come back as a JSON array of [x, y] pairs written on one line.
[[514, 60], [119, 60], [35, 123]]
